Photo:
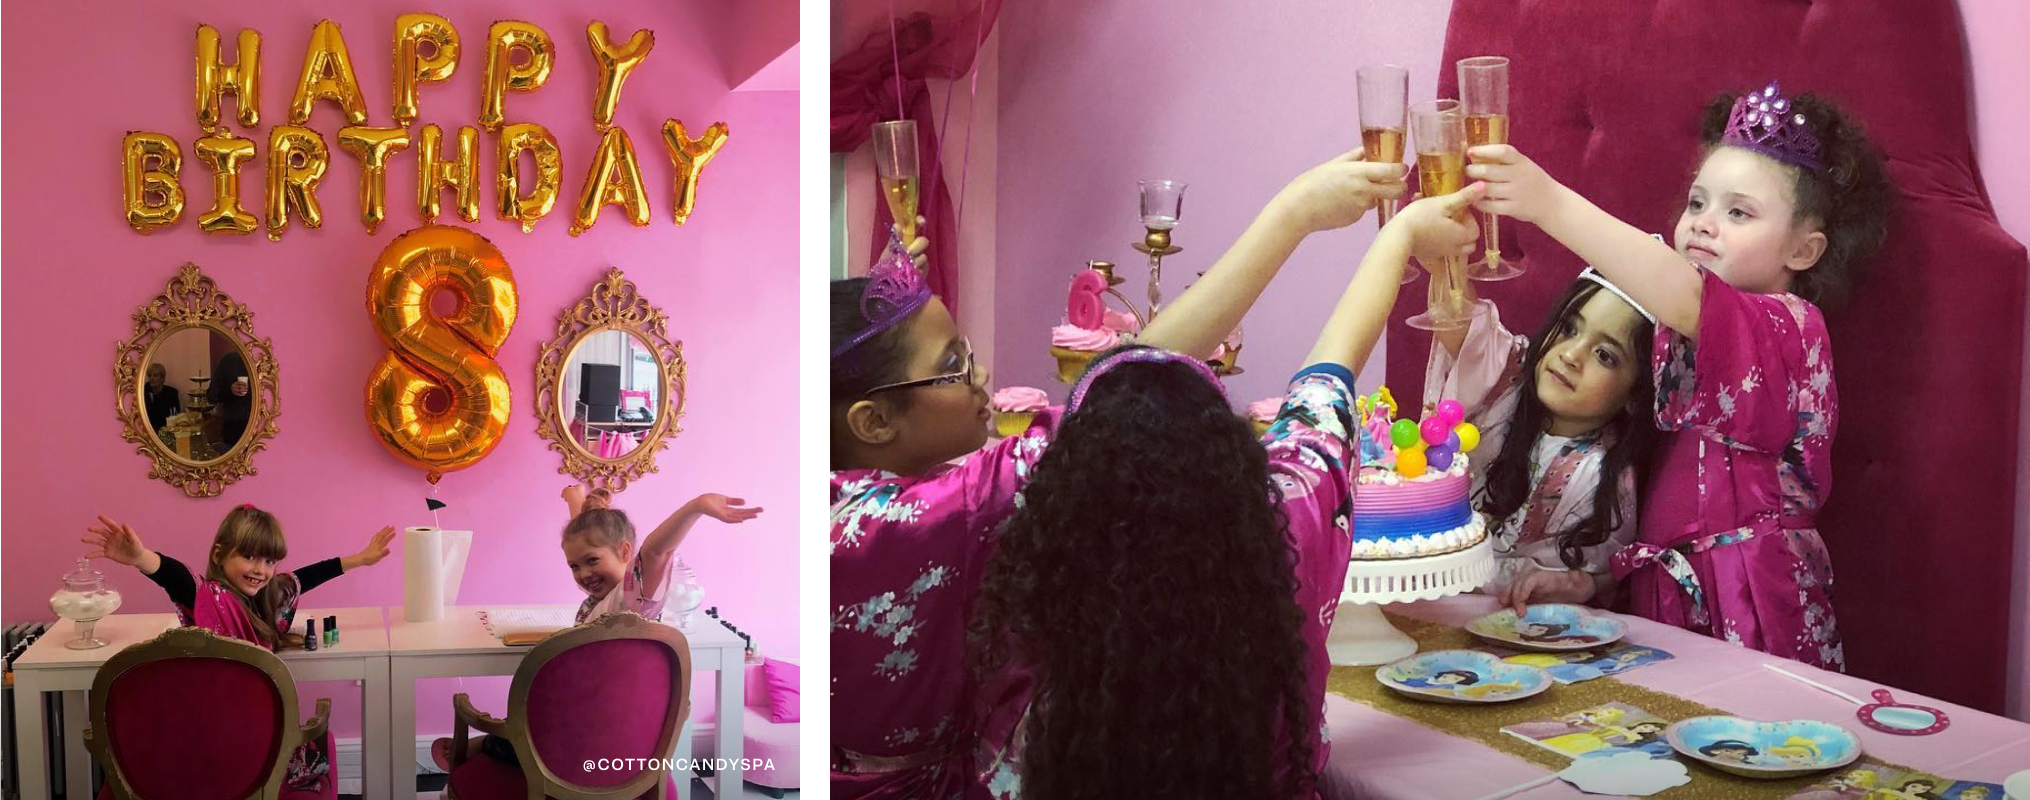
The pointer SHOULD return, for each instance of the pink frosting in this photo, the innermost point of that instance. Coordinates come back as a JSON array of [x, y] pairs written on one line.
[[1265, 409], [1019, 399], [1073, 337], [1218, 353], [1121, 322]]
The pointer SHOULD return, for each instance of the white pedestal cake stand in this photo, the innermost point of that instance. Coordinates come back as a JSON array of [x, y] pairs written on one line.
[[1362, 637]]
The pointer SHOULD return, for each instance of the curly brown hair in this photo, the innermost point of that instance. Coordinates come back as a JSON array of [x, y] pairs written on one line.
[[1850, 199], [1149, 579]]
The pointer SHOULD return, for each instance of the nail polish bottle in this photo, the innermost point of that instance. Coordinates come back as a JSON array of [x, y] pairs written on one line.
[[331, 631], [310, 634]]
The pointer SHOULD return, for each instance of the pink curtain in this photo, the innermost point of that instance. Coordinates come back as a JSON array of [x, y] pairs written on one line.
[[865, 91]]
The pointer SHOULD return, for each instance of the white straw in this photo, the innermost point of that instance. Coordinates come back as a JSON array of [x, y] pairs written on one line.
[[1520, 788], [1814, 684]]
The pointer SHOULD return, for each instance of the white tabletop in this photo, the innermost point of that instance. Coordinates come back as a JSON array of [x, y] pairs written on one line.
[[460, 632]]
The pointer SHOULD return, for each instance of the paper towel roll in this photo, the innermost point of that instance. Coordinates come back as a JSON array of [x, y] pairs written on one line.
[[422, 574], [457, 545]]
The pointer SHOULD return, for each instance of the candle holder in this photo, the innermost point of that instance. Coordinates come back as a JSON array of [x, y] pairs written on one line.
[[1162, 208]]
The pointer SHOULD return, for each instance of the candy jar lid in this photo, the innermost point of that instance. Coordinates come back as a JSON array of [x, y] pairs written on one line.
[[84, 578]]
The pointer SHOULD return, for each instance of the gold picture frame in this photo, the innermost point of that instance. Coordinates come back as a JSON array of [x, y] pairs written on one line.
[[614, 304], [193, 301]]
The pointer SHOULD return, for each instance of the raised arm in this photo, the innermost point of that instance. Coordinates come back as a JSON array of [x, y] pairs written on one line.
[[1431, 227], [1332, 195], [1650, 271]]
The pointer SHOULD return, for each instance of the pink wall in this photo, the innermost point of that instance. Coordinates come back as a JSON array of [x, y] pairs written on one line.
[[2001, 112], [1099, 95], [75, 273]]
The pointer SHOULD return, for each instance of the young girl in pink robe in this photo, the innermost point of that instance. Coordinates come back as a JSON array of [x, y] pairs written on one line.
[[1580, 390], [1137, 624], [912, 533], [242, 596], [1788, 201]]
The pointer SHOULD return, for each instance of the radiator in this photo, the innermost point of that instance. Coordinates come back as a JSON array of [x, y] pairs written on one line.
[[13, 640]]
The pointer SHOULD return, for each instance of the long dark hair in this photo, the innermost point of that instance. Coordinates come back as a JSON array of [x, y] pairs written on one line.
[[1149, 578], [1507, 486], [1851, 197], [879, 360]]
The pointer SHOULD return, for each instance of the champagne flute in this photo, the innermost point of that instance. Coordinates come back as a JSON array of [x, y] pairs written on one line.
[[1440, 129], [1384, 110], [895, 162], [1483, 91]]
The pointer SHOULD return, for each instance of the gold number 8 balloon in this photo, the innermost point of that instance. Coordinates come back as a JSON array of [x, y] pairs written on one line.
[[438, 400]]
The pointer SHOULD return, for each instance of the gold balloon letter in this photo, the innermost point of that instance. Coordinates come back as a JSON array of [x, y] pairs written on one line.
[[224, 153], [327, 75], [372, 147], [690, 156], [412, 68], [535, 139], [615, 178], [435, 174], [614, 64], [154, 198], [438, 400], [503, 76], [296, 161], [242, 80]]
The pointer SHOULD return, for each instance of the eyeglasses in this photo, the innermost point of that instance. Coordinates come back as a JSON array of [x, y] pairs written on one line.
[[964, 375]]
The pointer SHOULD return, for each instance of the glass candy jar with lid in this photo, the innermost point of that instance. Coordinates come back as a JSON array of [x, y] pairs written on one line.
[[84, 599], [686, 596]]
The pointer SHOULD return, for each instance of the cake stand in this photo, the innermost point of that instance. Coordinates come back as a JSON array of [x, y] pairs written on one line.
[[1362, 637]]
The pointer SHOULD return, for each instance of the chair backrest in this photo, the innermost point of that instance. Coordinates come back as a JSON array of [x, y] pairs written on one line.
[[618, 687], [190, 715], [1606, 95]]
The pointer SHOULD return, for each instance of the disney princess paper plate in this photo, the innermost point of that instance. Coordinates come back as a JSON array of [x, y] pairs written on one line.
[[1552, 627], [1462, 676], [1772, 750]]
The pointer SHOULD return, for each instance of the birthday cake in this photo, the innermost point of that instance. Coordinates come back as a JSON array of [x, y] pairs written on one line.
[[1411, 500]]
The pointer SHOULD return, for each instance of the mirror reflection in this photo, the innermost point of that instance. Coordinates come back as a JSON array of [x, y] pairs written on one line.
[[197, 393], [610, 393]]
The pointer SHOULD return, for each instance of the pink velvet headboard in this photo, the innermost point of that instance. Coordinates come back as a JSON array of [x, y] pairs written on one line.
[[1605, 94]]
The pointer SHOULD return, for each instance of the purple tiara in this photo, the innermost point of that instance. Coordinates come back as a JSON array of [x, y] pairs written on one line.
[[1142, 355], [895, 289], [1765, 123]]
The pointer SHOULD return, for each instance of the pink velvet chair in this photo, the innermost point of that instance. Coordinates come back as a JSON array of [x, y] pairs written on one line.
[[1928, 351], [617, 688], [190, 715], [764, 741]]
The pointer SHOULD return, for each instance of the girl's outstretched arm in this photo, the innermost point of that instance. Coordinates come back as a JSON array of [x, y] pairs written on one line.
[[1650, 271], [1332, 195], [667, 536], [1435, 226]]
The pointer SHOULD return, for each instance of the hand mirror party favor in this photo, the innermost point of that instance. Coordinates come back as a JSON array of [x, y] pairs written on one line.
[[1885, 714]]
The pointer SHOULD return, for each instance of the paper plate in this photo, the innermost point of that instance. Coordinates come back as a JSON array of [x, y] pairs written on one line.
[[1754, 749], [1556, 628], [1462, 676]]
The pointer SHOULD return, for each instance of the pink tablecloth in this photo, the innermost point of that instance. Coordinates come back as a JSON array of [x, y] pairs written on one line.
[[1379, 756]]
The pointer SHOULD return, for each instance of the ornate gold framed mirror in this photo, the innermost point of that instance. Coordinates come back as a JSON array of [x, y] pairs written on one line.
[[610, 386], [194, 387]]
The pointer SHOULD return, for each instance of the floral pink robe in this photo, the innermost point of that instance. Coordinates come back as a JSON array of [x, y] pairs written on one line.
[[1312, 462], [908, 554], [1486, 378], [1730, 545]]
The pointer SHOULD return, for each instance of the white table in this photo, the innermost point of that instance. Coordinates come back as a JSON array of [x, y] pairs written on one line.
[[48, 666], [458, 645]]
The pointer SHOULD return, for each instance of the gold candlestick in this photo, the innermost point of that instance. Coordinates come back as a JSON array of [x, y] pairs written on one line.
[[1156, 243]]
